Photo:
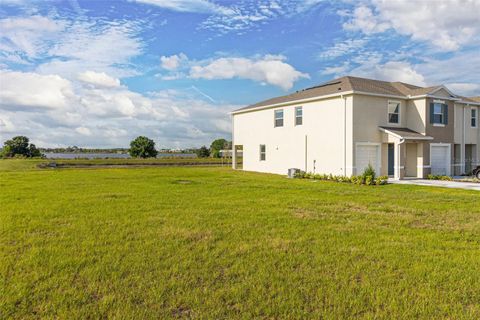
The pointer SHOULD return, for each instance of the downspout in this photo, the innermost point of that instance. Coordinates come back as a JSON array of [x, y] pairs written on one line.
[[306, 154]]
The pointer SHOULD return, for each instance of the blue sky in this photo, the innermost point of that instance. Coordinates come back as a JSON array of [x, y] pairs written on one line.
[[99, 73]]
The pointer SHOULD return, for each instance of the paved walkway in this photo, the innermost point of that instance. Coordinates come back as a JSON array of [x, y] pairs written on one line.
[[439, 183]]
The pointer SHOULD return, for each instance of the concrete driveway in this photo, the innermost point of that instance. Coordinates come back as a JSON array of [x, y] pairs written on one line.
[[439, 183]]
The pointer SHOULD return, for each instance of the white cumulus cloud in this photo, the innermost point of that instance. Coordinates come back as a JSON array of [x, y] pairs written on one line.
[[268, 69], [27, 89], [447, 25], [364, 20], [100, 79], [172, 62], [84, 131]]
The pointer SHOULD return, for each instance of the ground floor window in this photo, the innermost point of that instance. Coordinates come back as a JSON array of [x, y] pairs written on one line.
[[263, 152]]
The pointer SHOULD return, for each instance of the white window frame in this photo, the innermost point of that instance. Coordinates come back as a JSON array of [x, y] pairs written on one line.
[[442, 123], [275, 118], [264, 152], [399, 112], [472, 110], [297, 116]]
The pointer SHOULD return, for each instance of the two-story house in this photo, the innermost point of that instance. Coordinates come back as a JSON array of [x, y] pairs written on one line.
[[343, 125]]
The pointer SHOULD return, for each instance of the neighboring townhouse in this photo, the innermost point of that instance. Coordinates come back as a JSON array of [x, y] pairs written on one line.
[[343, 125]]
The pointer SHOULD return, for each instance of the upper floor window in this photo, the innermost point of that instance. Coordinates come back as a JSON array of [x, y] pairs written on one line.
[[438, 113], [279, 118], [393, 112], [263, 152], [298, 116], [474, 117]]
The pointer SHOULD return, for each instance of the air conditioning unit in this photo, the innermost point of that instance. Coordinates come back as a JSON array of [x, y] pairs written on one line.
[[292, 172]]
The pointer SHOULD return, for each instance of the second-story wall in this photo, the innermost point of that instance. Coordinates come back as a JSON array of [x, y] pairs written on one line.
[[369, 113], [417, 115], [441, 133], [325, 137], [464, 132]]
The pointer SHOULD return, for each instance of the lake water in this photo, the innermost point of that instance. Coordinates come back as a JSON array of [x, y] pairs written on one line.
[[112, 155]]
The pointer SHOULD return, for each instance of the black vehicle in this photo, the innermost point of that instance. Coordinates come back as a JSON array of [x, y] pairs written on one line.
[[476, 172]]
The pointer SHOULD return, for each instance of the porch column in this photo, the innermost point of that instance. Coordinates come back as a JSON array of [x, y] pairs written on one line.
[[420, 160], [399, 162]]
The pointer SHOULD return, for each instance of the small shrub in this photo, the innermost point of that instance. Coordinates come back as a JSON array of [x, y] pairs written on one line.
[[369, 180], [299, 174], [360, 180], [369, 171], [439, 177], [382, 180], [364, 179]]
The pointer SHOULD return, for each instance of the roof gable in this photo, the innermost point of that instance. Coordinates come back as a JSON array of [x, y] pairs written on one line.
[[442, 91]]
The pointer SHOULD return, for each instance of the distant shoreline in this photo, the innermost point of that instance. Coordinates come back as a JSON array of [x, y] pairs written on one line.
[[104, 155]]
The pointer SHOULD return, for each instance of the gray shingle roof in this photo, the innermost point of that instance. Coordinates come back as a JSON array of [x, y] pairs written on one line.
[[476, 99], [405, 133], [345, 84]]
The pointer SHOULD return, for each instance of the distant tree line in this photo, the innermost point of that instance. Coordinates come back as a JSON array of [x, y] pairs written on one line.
[[76, 149], [215, 147], [144, 147], [140, 147], [19, 147]]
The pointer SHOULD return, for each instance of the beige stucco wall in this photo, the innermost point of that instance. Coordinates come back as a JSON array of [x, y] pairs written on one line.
[[321, 138], [416, 115], [471, 134], [369, 113], [411, 160], [464, 134], [441, 134]]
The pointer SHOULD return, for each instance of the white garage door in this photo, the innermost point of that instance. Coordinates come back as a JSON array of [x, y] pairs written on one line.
[[367, 154], [440, 160]]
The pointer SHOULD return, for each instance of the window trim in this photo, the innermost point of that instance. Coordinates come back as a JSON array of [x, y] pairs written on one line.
[[296, 116], [275, 118], [399, 112], [442, 114], [264, 152], [472, 109]]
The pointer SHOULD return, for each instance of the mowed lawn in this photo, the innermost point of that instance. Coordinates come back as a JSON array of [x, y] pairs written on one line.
[[213, 243]]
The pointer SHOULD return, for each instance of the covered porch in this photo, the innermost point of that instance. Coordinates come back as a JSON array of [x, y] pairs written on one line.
[[403, 152]]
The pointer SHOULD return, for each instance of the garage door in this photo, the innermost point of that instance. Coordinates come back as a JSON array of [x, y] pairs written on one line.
[[367, 154], [440, 160]]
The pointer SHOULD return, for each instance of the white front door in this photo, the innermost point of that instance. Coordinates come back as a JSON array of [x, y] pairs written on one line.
[[368, 154], [440, 159]]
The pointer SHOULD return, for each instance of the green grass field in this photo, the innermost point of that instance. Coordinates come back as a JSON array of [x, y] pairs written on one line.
[[30, 164], [212, 243]]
